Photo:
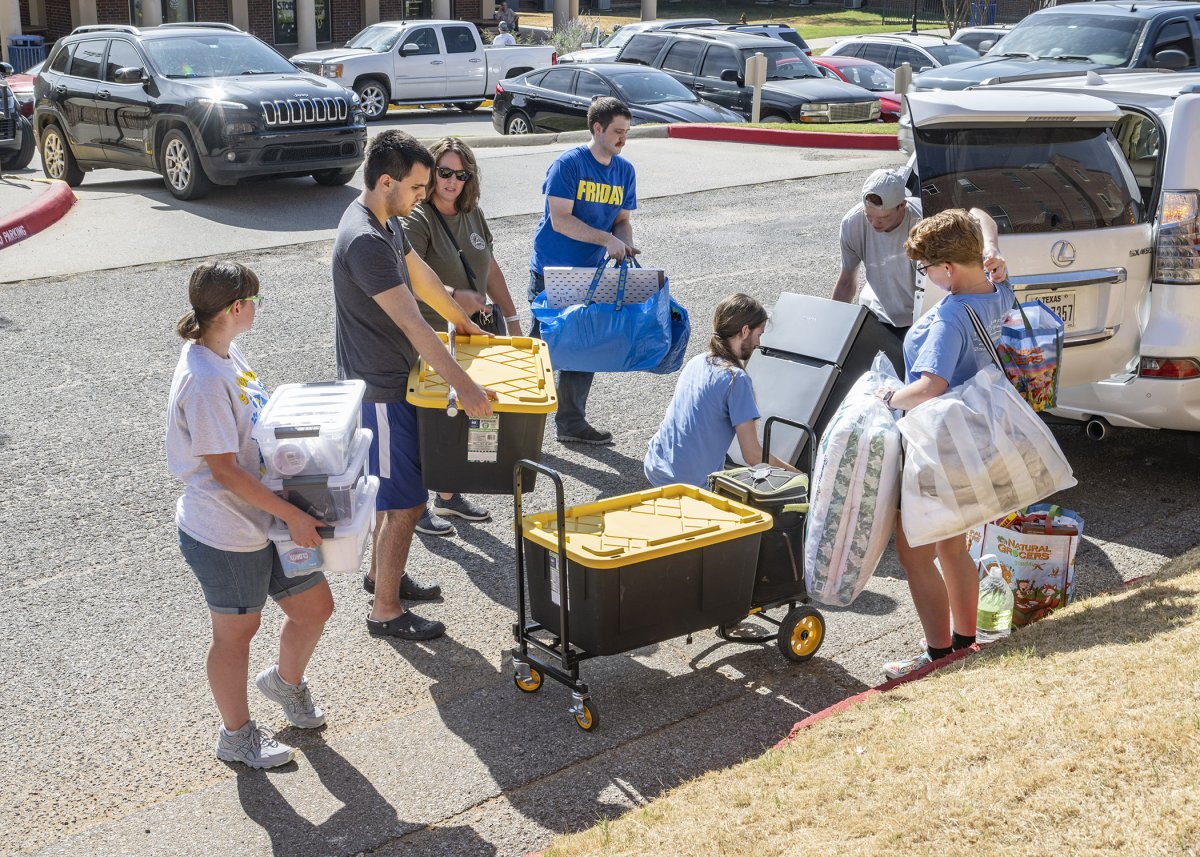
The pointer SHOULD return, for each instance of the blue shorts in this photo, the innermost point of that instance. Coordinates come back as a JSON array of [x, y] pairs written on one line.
[[239, 582], [395, 455]]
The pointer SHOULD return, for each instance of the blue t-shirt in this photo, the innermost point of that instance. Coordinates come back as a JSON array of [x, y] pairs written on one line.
[[699, 425], [943, 342], [600, 193]]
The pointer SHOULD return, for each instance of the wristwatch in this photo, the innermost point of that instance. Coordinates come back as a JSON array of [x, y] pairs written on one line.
[[887, 397]]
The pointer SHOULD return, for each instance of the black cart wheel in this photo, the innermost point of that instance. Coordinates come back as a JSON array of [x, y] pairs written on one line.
[[531, 685], [801, 633], [587, 720]]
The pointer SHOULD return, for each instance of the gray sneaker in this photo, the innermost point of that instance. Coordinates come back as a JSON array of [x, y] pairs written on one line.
[[254, 747], [295, 698], [459, 506]]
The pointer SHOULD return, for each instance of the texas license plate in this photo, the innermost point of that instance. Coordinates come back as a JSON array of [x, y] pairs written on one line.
[[1061, 304]]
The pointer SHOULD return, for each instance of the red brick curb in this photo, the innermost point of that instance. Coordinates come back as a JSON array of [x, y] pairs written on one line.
[[44, 211], [778, 137]]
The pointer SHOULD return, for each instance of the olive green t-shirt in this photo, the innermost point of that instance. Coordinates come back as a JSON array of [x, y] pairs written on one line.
[[432, 244]]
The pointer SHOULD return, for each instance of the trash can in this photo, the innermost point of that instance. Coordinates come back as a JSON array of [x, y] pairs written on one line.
[[25, 51], [644, 567], [476, 456], [810, 355]]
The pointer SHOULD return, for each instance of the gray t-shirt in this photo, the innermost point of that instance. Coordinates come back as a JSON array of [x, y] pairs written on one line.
[[891, 281], [368, 259], [429, 239], [214, 403]]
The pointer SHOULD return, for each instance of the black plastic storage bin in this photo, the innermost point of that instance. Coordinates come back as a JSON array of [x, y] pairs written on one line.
[[462, 454], [644, 567]]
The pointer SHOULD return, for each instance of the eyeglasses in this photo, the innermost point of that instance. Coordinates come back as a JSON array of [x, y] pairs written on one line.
[[461, 175], [922, 267], [254, 299]]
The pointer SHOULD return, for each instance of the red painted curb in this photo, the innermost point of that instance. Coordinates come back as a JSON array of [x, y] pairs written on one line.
[[44, 211], [777, 137]]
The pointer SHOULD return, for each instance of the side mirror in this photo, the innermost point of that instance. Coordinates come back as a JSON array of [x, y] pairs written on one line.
[[5, 69], [1172, 59], [986, 45], [730, 75], [130, 75], [410, 49]]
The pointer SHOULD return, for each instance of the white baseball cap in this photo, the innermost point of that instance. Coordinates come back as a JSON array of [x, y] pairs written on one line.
[[888, 185]]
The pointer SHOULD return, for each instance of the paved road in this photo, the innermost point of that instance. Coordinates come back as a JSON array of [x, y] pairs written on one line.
[[429, 750]]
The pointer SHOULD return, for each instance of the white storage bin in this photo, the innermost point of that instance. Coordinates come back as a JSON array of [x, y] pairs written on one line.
[[330, 498], [307, 429], [344, 544]]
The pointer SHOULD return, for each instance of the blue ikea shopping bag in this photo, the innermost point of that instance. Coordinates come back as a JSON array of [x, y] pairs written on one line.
[[603, 337], [681, 332]]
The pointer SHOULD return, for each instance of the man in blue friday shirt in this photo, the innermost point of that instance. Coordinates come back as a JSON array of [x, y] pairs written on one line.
[[590, 191]]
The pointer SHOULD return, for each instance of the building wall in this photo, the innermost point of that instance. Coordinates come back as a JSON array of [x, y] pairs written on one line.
[[468, 10], [213, 10], [24, 4], [391, 10], [58, 19], [347, 19], [262, 20], [112, 11]]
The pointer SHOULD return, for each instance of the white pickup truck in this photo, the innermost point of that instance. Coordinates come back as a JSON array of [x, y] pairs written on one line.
[[422, 62], [1097, 197]]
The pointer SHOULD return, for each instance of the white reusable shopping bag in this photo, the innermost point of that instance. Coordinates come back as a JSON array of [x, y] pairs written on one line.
[[973, 454]]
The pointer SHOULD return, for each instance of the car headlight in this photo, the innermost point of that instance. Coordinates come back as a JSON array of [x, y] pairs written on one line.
[[333, 70], [236, 129], [815, 107]]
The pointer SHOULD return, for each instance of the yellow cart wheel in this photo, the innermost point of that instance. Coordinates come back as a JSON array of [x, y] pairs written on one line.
[[588, 719], [801, 633], [530, 685]]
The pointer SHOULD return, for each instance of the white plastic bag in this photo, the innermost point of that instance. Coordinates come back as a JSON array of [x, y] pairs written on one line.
[[973, 454], [855, 487]]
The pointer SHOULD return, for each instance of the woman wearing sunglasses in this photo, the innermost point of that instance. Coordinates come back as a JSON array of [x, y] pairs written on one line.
[[956, 251], [449, 231], [224, 514]]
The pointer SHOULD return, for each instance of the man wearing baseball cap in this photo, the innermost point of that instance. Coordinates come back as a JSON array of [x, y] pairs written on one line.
[[872, 236], [504, 37]]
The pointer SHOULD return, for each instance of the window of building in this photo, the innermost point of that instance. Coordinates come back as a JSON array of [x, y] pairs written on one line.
[[285, 20], [173, 11]]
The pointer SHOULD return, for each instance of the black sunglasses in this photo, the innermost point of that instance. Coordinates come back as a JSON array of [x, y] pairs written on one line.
[[461, 175]]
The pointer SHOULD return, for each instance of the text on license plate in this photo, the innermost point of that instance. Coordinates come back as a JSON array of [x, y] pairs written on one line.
[[1061, 304]]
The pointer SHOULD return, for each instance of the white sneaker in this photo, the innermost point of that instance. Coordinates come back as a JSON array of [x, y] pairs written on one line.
[[254, 747], [295, 698], [899, 669]]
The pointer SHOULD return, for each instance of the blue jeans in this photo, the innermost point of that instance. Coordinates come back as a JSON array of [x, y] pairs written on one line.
[[573, 387]]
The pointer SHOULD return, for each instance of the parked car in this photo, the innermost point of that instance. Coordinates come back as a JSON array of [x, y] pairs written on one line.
[[871, 76], [557, 99], [783, 32], [713, 65], [1098, 209], [422, 62], [1075, 37], [982, 38], [16, 133], [21, 85], [201, 104], [609, 48], [892, 50]]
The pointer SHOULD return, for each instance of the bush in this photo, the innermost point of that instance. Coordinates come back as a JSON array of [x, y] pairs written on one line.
[[571, 38]]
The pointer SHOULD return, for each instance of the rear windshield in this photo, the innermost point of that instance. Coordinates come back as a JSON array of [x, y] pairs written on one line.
[[1029, 179]]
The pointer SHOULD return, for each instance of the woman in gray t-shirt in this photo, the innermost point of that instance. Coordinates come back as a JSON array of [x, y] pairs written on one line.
[[225, 511], [447, 222]]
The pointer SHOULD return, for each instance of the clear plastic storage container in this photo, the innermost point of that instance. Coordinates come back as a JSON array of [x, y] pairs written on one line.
[[344, 544], [330, 498], [307, 429]]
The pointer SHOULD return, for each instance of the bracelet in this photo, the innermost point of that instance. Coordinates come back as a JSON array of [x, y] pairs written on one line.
[[509, 319]]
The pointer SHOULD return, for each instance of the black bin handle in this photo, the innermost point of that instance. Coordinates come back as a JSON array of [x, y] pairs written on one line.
[[812, 440]]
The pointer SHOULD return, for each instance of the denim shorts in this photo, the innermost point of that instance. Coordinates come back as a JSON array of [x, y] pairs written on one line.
[[237, 582]]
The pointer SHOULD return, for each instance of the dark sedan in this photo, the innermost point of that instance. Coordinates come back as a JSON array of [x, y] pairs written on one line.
[[557, 99]]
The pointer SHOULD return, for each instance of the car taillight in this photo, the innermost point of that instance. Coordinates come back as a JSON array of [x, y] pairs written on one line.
[[554, 58], [499, 89], [1176, 254], [1169, 367]]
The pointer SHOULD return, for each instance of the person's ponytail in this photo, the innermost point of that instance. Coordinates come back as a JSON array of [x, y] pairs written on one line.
[[188, 326]]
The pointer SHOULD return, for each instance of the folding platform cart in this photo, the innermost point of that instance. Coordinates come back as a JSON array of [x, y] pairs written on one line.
[[619, 574]]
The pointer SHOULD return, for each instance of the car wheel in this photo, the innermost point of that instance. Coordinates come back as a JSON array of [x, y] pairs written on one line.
[[20, 160], [332, 178], [470, 107], [57, 160], [775, 118], [373, 99], [518, 123], [180, 167]]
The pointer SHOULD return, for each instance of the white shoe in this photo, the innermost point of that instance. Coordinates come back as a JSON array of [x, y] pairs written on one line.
[[295, 698], [254, 747]]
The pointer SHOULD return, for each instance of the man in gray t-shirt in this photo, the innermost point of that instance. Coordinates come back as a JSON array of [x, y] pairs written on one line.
[[379, 334], [872, 236]]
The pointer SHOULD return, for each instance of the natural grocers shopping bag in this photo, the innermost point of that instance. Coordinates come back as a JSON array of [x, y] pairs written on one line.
[[1039, 566]]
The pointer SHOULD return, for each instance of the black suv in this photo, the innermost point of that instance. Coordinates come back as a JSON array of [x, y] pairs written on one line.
[[201, 104], [16, 134], [712, 64]]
